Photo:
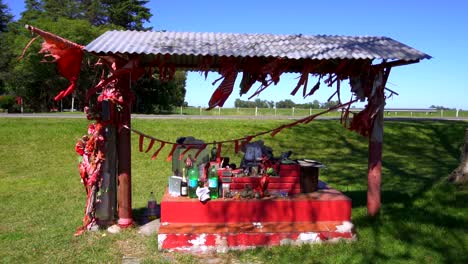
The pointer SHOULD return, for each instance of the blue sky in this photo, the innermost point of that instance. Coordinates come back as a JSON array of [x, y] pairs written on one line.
[[438, 28]]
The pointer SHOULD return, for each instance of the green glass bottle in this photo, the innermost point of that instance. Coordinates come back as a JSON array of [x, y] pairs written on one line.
[[213, 183], [192, 182]]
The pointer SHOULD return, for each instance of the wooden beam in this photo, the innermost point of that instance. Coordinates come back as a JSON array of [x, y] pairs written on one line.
[[395, 63]]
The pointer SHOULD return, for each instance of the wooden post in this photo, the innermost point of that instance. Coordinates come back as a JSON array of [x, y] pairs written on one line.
[[375, 166], [374, 170], [107, 208], [465, 154], [124, 191]]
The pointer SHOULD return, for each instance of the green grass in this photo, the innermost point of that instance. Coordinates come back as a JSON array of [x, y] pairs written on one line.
[[423, 218]]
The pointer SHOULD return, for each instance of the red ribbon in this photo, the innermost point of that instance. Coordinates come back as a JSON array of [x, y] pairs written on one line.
[[200, 150], [150, 146], [218, 152], [169, 158], [140, 143], [157, 151], [236, 146], [185, 152]]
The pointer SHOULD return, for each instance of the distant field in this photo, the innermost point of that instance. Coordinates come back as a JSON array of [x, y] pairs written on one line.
[[423, 219], [298, 112]]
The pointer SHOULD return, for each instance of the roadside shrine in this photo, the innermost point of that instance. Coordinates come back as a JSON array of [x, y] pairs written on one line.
[[126, 56]]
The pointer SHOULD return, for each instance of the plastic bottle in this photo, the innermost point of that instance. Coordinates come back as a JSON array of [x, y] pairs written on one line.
[[151, 212], [213, 183], [192, 182]]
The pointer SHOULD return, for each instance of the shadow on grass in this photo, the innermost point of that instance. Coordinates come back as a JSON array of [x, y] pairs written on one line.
[[423, 218]]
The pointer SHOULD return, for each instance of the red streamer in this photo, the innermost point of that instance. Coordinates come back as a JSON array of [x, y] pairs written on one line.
[[236, 146], [200, 150], [185, 152], [218, 152], [150, 146], [140, 143], [157, 151], [169, 157]]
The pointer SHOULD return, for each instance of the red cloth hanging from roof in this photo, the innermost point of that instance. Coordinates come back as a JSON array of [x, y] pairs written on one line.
[[66, 54]]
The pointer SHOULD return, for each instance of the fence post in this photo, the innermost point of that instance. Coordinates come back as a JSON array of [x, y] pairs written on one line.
[[219, 110], [275, 110], [441, 112], [237, 110], [200, 109], [310, 111], [180, 110], [256, 111], [456, 115], [293, 111]]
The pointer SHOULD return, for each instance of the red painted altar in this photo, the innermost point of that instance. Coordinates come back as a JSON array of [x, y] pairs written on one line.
[[235, 223]]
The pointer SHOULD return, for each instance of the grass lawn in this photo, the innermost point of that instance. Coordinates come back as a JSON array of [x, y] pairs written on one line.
[[423, 219]]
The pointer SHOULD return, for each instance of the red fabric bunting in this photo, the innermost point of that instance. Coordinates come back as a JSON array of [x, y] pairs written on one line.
[[140, 143], [218, 152], [66, 54], [185, 152], [169, 157], [236, 146], [150, 146], [157, 151], [199, 151]]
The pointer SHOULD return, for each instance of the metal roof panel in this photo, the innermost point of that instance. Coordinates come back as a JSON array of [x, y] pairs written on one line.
[[296, 46]]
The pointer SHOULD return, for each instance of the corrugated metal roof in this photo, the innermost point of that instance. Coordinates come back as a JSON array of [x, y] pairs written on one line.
[[320, 47]]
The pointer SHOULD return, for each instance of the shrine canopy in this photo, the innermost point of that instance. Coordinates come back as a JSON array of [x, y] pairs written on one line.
[[261, 57], [188, 49]]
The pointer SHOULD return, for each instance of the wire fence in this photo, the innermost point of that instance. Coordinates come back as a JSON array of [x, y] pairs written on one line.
[[301, 112]]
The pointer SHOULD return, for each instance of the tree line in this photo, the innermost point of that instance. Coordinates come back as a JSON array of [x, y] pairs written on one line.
[[288, 103], [80, 21]]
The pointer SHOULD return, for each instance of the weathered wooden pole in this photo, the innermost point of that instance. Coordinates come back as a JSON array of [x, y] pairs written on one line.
[[106, 209], [465, 155], [460, 174], [124, 192], [374, 170]]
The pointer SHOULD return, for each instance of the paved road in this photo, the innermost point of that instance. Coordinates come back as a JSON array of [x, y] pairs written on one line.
[[139, 116]]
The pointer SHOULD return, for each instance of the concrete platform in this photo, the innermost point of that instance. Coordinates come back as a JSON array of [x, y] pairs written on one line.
[[231, 224]]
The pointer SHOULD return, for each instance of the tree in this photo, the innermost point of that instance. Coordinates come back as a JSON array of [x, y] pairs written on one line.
[[257, 103], [329, 104], [5, 17], [129, 14], [33, 10], [79, 21], [94, 11], [155, 96], [65, 9], [288, 103]]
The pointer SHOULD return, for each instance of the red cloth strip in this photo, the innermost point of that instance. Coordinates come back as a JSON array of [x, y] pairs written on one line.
[[185, 152], [218, 152], [157, 151], [169, 157], [140, 143], [199, 151], [236, 146], [150, 146]]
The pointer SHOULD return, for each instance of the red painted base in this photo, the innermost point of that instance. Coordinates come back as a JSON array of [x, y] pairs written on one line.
[[225, 224]]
